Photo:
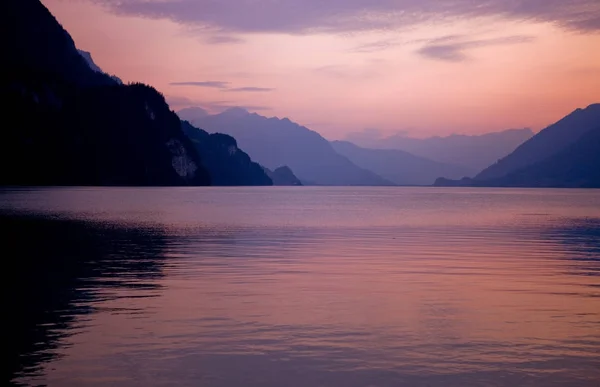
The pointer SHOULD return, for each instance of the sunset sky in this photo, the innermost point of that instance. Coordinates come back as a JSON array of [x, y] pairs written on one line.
[[423, 67]]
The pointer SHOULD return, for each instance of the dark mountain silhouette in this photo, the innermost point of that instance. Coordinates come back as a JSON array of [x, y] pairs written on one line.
[[35, 42], [399, 166], [576, 166], [227, 164], [283, 176], [473, 152], [72, 124], [126, 135], [275, 142], [546, 143]]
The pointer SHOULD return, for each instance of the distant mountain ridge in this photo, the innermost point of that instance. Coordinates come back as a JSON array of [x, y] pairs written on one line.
[[546, 143], [565, 154], [475, 152], [399, 166], [275, 142], [578, 165]]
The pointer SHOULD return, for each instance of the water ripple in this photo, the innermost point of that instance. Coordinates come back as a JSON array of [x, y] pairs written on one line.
[[303, 287]]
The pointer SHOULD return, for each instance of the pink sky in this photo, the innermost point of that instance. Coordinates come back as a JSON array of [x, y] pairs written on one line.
[[426, 67]]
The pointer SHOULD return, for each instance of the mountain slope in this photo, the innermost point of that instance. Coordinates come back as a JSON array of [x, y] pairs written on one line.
[[35, 41], [399, 166], [474, 152], [576, 166], [546, 143], [275, 142], [227, 164], [88, 58]]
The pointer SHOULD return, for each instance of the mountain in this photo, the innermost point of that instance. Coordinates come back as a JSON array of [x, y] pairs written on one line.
[[72, 124], [227, 164], [565, 154], [473, 152], [107, 135], [576, 166], [88, 58], [283, 176], [35, 42], [399, 166], [275, 142], [546, 143]]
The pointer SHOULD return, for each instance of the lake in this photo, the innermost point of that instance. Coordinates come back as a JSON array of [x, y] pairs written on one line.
[[301, 286]]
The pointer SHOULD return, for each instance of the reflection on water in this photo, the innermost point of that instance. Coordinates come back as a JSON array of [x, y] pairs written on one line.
[[59, 273], [302, 287]]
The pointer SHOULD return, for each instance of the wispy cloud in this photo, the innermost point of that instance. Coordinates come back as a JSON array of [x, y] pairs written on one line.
[[250, 89], [224, 86], [223, 39], [450, 50], [212, 84], [379, 45], [338, 16]]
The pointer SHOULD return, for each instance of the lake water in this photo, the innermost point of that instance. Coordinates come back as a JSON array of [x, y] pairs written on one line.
[[303, 286]]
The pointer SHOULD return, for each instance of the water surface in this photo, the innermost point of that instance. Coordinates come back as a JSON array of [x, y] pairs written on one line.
[[302, 286]]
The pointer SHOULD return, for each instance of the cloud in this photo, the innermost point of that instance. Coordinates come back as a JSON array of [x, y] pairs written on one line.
[[449, 50], [250, 89], [224, 86], [213, 84], [379, 45], [339, 16], [223, 39]]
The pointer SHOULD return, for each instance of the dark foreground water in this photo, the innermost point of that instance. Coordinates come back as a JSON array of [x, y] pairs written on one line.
[[301, 286]]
